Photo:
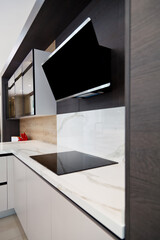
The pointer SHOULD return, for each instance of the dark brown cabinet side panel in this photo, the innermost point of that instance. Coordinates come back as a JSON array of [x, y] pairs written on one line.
[[143, 197], [144, 210]]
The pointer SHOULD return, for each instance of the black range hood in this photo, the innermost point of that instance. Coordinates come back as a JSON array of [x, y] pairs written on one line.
[[79, 67]]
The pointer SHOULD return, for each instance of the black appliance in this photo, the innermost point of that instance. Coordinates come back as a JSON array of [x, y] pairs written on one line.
[[79, 65], [69, 162]]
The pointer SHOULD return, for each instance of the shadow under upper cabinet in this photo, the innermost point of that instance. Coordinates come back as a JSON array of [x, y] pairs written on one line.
[[79, 65]]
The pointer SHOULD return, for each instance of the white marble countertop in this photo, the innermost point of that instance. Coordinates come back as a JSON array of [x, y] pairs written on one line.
[[99, 191]]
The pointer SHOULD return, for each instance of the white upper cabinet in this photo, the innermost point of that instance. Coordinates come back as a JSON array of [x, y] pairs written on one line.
[[45, 103], [29, 92]]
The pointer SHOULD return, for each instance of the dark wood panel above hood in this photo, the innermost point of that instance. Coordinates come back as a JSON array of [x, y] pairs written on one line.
[[46, 21]]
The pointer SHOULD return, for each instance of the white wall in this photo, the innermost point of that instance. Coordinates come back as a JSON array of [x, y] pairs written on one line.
[[13, 15]]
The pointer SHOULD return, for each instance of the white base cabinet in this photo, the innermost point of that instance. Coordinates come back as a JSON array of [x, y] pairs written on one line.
[[3, 184], [10, 181], [46, 214], [3, 169], [20, 196], [32, 202], [70, 223], [38, 208], [3, 198], [6, 185]]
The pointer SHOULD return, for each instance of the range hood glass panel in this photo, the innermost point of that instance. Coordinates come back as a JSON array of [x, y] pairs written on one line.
[[79, 65], [69, 162]]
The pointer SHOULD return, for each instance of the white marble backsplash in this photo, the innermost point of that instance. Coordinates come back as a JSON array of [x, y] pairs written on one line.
[[97, 132]]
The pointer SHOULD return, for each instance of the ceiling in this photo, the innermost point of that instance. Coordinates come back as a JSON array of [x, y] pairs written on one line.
[[13, 15]]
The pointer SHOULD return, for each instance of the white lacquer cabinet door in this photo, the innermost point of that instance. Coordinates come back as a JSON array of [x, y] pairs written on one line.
[[38, 208], [10, 181], [20, 191], [3, 198], [3, 170], [70, 223], [3, 188]]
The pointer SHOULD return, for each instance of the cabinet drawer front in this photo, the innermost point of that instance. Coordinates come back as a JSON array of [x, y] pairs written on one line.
[[3, 197], [3, 170]]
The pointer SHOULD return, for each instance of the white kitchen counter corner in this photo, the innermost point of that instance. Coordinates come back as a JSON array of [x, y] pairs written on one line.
[[99, 191]]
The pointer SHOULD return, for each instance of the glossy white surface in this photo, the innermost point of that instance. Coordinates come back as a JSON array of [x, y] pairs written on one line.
[[10, 181], [3, 170], [20, 193], [38, 207], [45, 103], [3, 198], [76, 225], [98, 132], [100, 191]]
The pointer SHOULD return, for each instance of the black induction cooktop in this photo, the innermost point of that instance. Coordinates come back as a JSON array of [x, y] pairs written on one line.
[[69, 162]]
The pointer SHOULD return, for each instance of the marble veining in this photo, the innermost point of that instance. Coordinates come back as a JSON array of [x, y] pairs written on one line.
[[98, 132], [99, 191], [97, 180]]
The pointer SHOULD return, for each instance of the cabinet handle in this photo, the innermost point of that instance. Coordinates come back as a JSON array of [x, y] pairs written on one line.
[[3, 183]]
